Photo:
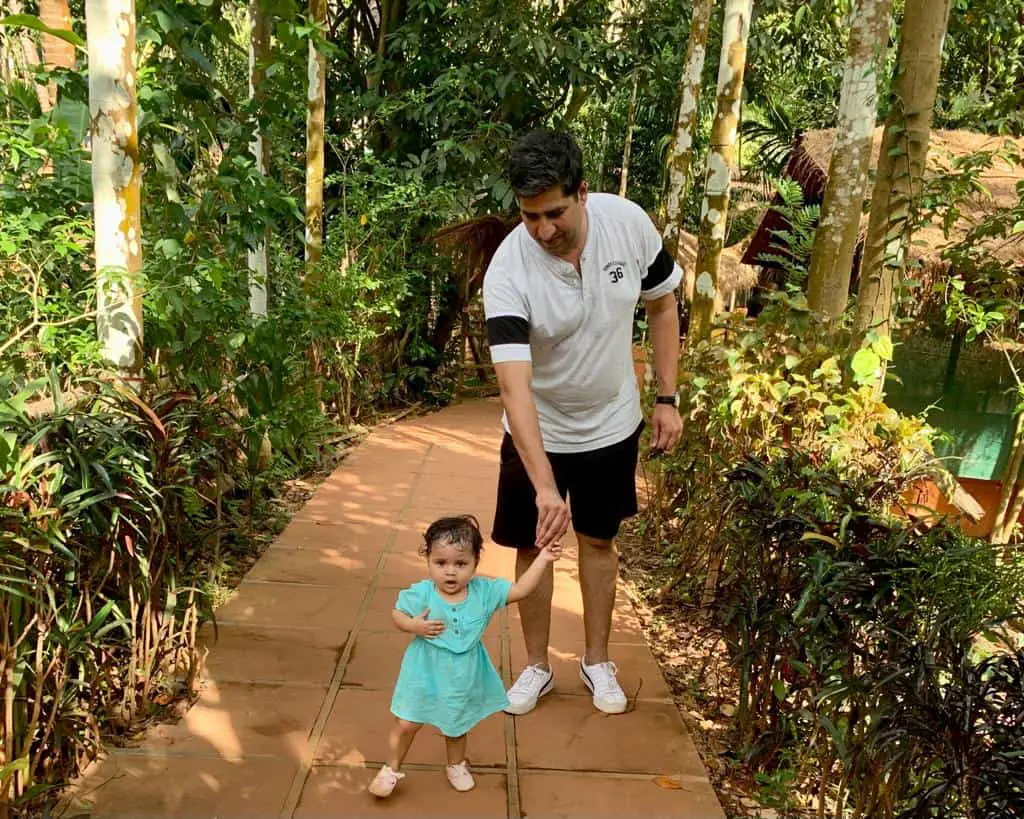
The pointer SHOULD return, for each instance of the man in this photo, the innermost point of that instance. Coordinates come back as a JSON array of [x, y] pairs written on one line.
[[559, 298]]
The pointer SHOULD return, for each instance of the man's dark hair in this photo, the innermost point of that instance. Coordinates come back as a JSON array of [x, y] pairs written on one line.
[[542, 159]]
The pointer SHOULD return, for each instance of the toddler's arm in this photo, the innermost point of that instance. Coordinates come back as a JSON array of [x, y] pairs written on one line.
[[420, 626], [526, 584]]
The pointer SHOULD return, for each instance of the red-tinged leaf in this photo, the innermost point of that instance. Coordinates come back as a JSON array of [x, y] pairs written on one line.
[[142, 405], [669, 783]]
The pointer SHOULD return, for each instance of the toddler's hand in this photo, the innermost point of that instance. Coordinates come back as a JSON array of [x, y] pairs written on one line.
[[427, 628], [551, 552]]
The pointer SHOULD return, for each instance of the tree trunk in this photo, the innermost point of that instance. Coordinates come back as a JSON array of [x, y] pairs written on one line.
[[374, 76], [599, 180], [259, 51], [628, 147], [316, 100], [29, 57], [901, 162], [828, 282], [1008, 491], [110, 27], [680, 159], [721, 159], [56, 52]]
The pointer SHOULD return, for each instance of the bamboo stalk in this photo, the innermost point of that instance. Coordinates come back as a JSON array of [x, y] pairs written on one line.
[[1010, 478]]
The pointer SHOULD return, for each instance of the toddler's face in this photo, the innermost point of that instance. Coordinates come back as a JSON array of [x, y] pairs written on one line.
[[451, 566]]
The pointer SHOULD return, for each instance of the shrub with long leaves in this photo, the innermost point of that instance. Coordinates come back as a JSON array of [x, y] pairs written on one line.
[[102, 507]]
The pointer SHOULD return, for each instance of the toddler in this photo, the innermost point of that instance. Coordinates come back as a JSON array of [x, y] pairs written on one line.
[[447, 680]]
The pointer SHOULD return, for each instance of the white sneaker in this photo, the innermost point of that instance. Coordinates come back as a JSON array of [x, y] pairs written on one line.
[[384, 782], [459, 777], [600, 679], [532, 684]]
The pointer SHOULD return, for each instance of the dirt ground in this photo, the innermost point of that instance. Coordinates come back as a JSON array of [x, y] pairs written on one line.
[[695, 664]]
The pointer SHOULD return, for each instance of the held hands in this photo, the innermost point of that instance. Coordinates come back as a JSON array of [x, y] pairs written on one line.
[[666, 428], [552, 517], [426, 628], [550, 553]]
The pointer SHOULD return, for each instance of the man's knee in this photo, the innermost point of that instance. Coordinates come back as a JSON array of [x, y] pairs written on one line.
[[597, 544], [407, 727]]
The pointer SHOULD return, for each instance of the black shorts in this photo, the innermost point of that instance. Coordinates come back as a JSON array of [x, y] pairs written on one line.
[[600, 485]]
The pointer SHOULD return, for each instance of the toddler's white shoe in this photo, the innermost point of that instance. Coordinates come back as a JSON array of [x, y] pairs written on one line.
[[384, 782], [459, 777], [533, 683], [600, 679]]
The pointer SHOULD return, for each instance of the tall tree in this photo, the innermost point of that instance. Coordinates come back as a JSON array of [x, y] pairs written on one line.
[[316, 101], [29, 57], [110, 25], [57, 53], [828, 282], [721, 161], [902, 161], [259, 51], [680, 159], [628, 144]]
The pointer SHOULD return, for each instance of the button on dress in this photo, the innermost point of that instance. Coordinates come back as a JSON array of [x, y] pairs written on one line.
[[448, 681]]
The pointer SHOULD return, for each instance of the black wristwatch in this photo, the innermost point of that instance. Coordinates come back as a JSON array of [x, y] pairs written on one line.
[[668, 399]]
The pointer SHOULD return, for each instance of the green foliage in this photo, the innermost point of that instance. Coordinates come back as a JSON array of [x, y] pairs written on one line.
[[793, 244], [47, 289], [107, 514], [783, 514], [983, 62]]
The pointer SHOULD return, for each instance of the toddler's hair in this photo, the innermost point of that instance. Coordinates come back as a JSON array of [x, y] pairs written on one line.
[[459, 530]]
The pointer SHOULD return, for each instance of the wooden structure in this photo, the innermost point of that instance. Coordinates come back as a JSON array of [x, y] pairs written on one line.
[[979, 422], [809, 163]]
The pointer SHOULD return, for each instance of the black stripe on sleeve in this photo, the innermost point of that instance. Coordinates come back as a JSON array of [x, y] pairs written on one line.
[[507, 330], [659, 271]]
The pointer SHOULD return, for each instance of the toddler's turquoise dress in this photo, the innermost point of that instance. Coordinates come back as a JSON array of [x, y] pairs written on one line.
[[448, 681]]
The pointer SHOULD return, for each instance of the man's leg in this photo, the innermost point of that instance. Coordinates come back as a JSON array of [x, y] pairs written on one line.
[[535, 612], [599, 571]]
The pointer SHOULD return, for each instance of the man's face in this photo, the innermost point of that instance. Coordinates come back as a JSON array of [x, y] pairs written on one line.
[[554, 220]]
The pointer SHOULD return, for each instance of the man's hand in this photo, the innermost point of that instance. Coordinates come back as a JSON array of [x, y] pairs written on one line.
[[424, 627], [552, 517], [666, 427]]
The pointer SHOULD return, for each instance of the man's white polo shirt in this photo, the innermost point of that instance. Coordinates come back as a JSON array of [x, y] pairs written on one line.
[[577, 330]]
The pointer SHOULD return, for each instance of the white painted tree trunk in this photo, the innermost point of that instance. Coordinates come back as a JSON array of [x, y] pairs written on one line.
[[828, 282], [110, 26], [627, 147], [680, 160], [721, 161], [316, 101], [259, 44], [901, 163]]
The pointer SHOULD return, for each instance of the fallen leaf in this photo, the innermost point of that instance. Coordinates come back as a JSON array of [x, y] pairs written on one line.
[[669, 783]]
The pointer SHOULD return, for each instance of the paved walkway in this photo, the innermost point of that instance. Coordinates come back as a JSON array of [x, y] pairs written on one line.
[[293, 716]]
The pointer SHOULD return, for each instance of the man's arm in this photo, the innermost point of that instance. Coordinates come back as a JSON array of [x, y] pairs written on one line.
[[663, 321], [517, 397]]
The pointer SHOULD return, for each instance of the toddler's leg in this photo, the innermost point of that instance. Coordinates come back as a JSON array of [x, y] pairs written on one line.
[[400, 741], [402, 735], [458, 768], [456, 748]]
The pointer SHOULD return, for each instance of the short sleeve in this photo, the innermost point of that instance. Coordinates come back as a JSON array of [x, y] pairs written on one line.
[[496, 597], [662, 274], [507, 315], [412, 600]]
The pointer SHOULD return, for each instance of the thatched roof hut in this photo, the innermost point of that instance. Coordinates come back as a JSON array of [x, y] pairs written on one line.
[[733, 275], [809, 166]]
